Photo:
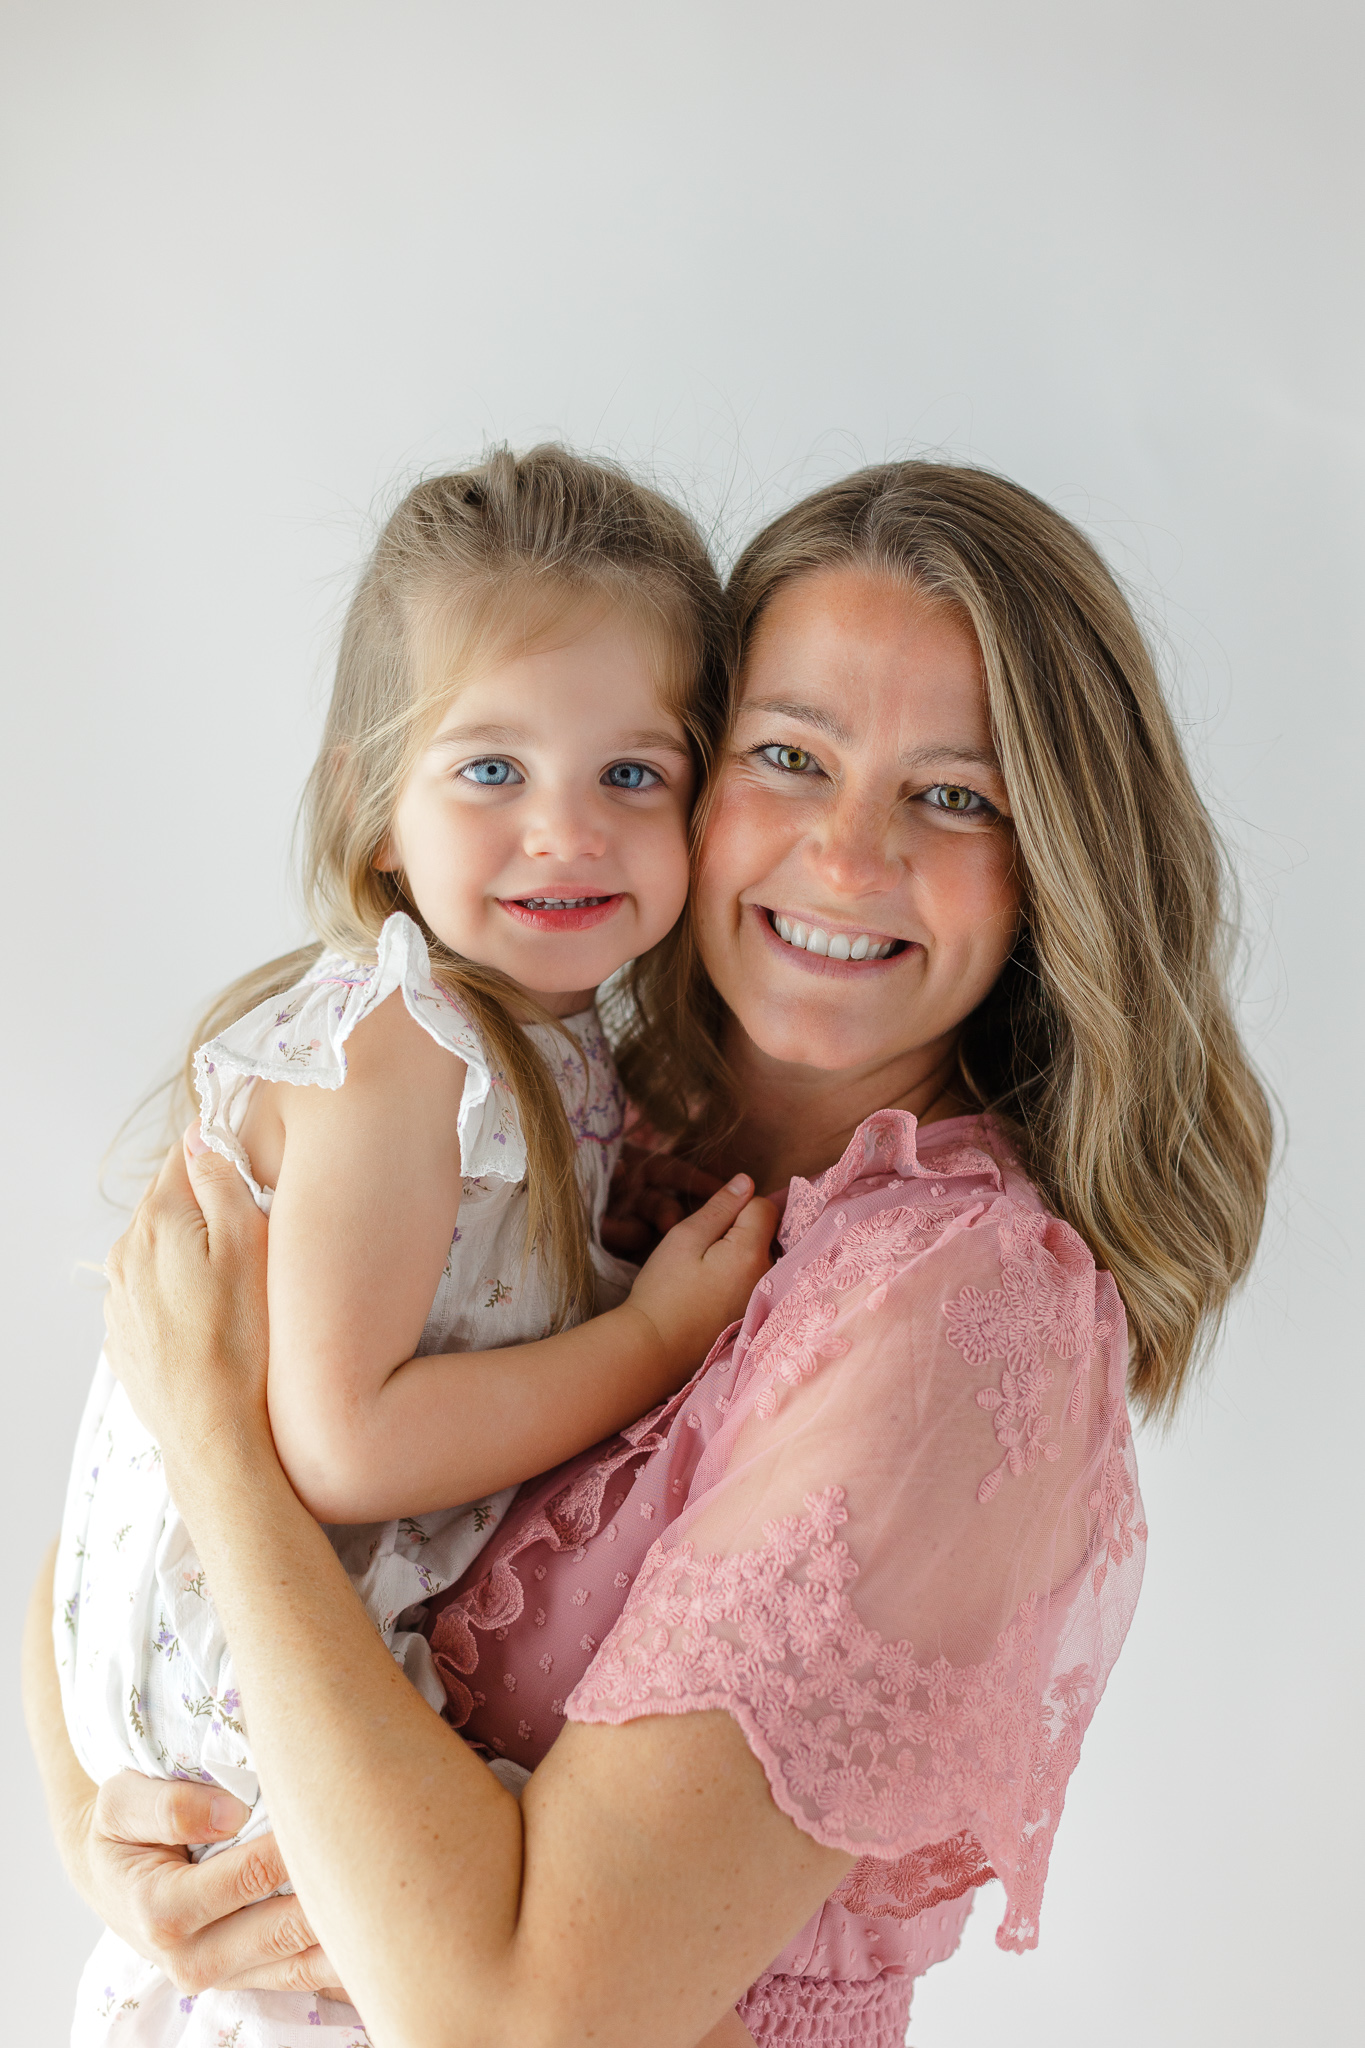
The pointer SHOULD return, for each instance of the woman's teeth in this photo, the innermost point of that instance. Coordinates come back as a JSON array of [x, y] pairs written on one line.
[[809, 938], [562, 902]]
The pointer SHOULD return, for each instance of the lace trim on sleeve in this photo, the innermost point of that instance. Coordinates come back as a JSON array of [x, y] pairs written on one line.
[[864, 1746]]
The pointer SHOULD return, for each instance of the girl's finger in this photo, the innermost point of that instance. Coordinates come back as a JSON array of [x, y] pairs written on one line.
[[715, 1218], [756, 1223]]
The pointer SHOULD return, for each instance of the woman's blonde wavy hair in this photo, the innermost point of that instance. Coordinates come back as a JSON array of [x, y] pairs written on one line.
[[471, 567], [1109, 1041]]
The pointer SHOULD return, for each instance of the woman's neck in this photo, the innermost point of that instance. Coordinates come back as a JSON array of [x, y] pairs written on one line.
[[799, 1119]]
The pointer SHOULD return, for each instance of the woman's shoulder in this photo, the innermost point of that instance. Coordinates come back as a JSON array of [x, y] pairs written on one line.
[[933, 1249], [300, 1037]]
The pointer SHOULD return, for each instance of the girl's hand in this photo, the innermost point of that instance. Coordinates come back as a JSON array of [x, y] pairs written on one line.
[[700, 1278], [186, 1308]]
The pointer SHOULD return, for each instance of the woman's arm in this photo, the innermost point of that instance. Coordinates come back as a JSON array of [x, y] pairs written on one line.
[[647, 1877], [367, 1190], [122, 1844]]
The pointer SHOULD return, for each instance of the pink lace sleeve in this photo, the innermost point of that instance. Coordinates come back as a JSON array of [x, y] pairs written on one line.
[[910, 1556]]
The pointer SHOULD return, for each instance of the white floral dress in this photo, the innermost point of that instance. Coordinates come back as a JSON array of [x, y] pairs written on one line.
[[147, 1679]]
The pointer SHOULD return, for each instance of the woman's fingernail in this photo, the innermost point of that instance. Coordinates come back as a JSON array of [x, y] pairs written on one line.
[[195, 1142], [223, 1816], [740, 1185]]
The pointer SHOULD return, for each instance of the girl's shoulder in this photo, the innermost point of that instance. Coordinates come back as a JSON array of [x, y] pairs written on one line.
[[299, 1037]]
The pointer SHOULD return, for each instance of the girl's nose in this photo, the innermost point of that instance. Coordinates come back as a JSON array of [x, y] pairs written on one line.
[[565, 829]]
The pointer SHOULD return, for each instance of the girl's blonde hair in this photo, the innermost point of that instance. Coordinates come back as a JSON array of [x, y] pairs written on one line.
[[1109, 1040], [470, 568]]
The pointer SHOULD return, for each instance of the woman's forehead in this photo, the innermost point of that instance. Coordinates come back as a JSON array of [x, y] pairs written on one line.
[[839, 648]]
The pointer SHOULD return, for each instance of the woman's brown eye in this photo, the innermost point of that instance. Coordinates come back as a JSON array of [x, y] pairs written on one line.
[[793, 759], [951, 796]]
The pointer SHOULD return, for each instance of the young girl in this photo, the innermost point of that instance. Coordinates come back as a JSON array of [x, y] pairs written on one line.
[[530, 680]]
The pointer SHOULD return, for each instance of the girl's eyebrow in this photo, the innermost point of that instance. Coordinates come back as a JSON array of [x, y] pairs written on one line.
[[659, 738], [481, 735]]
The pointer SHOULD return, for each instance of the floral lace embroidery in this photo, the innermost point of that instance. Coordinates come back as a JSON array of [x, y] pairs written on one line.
[[861, 1742], [1114, 1501], [796, 1336], [1046, 1301], [931, 1876], [884, 1146]]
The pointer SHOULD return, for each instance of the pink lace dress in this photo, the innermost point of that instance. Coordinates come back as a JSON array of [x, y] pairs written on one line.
[[892, 1527]]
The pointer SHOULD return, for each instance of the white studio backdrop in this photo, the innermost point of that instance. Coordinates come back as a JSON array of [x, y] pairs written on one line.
[[267, 263]]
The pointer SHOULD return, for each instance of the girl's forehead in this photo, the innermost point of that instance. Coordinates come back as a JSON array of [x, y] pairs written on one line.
[[536, 637]]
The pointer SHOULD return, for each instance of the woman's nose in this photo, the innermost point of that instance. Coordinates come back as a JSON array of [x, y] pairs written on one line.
[[855, 853]]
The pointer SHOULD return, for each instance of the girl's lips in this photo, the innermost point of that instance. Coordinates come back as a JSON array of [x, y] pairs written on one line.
[[820, 963], [580, 918]]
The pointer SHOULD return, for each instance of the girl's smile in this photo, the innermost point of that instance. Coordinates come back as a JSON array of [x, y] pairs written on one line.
[[543, 830]]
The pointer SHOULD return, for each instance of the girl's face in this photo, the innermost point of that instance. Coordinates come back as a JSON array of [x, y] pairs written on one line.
[[544, 829], [857, 895]]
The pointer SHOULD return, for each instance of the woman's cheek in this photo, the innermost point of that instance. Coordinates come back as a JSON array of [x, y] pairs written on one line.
[[975, 906]]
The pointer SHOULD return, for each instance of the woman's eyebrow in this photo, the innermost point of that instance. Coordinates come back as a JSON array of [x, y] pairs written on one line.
[[980, 757], [809, 714], [917, 757]]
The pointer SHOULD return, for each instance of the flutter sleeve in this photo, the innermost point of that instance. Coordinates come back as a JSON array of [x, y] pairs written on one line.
[[301, 1036], [910, 1555]]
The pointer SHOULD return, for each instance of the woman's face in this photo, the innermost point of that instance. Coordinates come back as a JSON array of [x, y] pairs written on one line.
[[857, 894]]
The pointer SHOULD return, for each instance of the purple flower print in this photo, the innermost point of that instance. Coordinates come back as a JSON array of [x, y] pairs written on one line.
[[188, 2004]]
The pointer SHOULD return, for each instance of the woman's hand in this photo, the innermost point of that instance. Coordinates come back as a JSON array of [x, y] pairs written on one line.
[[212, 1923], [123, 1846], [188, 1332], [650, 1192]]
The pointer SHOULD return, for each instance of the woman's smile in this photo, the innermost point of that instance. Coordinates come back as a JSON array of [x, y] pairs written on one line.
[[860, 834], [822, 944]]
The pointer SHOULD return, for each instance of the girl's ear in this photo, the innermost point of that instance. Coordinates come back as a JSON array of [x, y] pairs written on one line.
[[386, 860]]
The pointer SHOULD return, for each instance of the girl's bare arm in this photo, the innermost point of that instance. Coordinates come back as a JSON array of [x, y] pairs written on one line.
[[367, 1191], [646, 1878]]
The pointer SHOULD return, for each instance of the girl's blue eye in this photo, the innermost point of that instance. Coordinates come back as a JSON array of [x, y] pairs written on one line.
[[795, 760], [631, 775], [491, 773], [958, 800]]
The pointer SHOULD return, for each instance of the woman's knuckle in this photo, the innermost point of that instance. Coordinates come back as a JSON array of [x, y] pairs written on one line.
[[189, 1970], [256, 1876], [289, 1936], [168, 1925], [304, 1971]]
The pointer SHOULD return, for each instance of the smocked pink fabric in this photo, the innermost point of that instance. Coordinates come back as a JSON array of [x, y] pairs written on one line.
[[892, 1527]]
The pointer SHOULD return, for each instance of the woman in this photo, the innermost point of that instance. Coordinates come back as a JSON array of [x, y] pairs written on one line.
[[827, 1630]]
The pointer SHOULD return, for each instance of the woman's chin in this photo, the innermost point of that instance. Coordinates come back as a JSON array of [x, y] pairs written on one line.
[[823, 1044]]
